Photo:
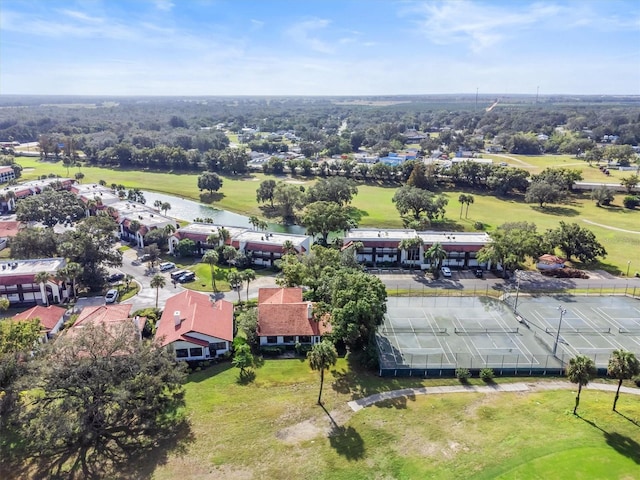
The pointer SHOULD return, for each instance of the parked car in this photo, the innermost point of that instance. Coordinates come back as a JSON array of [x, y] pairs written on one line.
[[478, 272], [177, 274], [187, 277], [115, 277], [164, 266], [111, 296], [446, 271], [145, 258]]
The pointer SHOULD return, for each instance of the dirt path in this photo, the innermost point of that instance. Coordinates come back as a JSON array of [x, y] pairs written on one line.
[[513, 159], [609, 227]]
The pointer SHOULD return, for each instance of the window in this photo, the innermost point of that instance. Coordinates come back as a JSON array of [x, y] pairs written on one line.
[[182, 353], [213, 347], [304, 339], [195, 352], [272, 339], [289, 339]]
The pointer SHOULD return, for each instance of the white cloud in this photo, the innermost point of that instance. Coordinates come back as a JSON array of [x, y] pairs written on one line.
[[164, 5], [303, 33]]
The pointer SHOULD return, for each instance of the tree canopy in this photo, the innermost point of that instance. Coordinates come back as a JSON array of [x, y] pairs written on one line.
[[210, 181], [511, 243], [51, 207], [575, 242], [322, 218], [416, 202], [97, 397]]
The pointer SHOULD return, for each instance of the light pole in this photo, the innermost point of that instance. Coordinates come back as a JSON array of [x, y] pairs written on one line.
[[555, 345], [515, 305], [628, 265]]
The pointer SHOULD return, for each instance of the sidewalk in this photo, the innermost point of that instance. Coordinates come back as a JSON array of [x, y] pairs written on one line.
[[357, 405]]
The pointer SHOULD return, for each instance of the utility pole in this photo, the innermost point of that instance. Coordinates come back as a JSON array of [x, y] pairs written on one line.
[[555, 345]]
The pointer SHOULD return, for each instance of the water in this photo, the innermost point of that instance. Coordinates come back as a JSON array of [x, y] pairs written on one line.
[[184, 209]]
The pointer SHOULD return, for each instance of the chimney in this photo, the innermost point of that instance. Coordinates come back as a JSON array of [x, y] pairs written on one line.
[[309, 310], [136, 320], [176, 318]]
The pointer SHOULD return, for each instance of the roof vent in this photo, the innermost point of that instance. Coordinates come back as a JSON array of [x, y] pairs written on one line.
[[176, 318]]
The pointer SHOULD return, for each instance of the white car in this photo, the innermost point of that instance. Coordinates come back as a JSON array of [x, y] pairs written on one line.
[[111, 296], [164, 266], [446, 271]]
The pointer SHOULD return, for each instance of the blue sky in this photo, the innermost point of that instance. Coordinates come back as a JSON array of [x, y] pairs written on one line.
[[318, 47]]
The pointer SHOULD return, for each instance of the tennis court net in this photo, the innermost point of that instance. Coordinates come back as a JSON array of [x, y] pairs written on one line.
[[480, 331], [581, 330], [420, 330], [629, 331]]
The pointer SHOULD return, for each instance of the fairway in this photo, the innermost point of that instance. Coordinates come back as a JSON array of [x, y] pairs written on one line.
[[375, 208], [452, 436]]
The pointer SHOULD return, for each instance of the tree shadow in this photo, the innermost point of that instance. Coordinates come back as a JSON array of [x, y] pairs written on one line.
[[269, 212], [333, 422], [559, 211], [110, 462], [622, 444], [347, 442], [211, 197], [356, 213], [632, 420], [246, 377]]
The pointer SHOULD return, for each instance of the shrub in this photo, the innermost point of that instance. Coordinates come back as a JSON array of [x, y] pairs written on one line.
[[478, 225], [636, 380], [631, 201], [463, 373], [486, 374], [271, 351]]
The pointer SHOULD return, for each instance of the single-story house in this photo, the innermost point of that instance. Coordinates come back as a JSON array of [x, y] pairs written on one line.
[[51, 318], [284, 318], [196, 327]]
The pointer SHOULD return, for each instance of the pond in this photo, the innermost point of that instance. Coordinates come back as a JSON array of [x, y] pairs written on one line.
[[185, 209]]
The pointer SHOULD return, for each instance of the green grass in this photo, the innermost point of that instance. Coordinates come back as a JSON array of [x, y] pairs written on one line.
[[375, 208], [271, 428]]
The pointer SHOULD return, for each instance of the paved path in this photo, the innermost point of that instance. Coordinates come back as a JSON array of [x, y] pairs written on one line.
[[361, 403], [609, 227]]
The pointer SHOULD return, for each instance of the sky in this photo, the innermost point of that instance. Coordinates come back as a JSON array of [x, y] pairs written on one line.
[[319, 47]]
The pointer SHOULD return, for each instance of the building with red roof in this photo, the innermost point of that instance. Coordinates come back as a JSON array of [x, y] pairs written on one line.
[[284, 318], [264, 248], [18, 281], [51, 318], [196, 327]]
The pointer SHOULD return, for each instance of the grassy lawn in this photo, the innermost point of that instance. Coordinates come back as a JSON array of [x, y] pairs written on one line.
[[272, 428], [376, 209]]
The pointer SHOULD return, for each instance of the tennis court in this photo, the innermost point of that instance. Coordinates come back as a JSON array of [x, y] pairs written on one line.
[[593, 326], [436, 335]]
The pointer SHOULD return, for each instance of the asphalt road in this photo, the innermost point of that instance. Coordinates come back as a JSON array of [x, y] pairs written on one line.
[[416, 281]]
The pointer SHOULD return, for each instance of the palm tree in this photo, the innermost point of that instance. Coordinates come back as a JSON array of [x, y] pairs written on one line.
[[157, 204], [465, 199], [409, 245], [213, 239], [470, 200], [165, 206], [42, 278], [224, 234], [254, 221], [128, 278], [211, 257], [321, 356], [436, 254], [581, 370], [288, 248], [248, 276], [72, 271], [623, 365], [158, 281], [235, 281]]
